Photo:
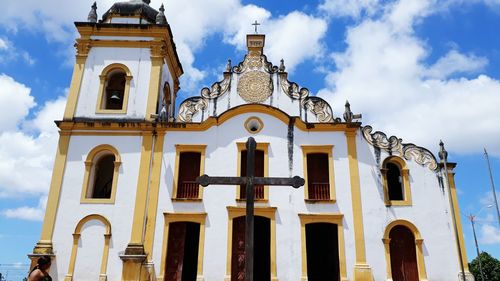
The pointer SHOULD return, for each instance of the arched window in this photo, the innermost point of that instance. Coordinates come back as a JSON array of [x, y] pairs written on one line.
[[396, 182], [114, 89], [101, 175]]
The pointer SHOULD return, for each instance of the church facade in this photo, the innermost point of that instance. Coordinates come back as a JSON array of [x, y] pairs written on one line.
[[124, 203]]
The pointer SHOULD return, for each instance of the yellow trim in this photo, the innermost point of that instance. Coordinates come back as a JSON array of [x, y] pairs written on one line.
[[250, 119], [264, 146], [456, 210], [418, 248], [153, 196], [89, 173], [184, 217], [76, 238], [102, 83], [362, 271], [179, 148], [327, 149], [159, 33], [403, 168], [154, 86], [110, 133], [323, 218], [267, 212], [44, 245], [74, 89], [136, 237]]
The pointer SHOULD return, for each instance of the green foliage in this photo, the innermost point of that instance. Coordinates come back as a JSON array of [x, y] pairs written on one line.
[[490, 266]]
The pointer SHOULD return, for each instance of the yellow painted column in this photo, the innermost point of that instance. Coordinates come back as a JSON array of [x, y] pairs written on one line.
[[456, 210], [362, 271], [153, 195], [134, 253], [76, 82], [44, 246], [154, 82]]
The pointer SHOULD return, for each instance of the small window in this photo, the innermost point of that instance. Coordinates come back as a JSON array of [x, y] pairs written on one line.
[[258, 172], [101, 175], [189, 170], [396, 182], [189, 164], [114, 89], [318, 176], [318, 173]]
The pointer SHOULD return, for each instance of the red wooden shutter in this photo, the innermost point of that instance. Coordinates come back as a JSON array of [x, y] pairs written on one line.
[[318, 178], [258, 172], [189, 169], [175, 254], [238, 250], [403, 254]]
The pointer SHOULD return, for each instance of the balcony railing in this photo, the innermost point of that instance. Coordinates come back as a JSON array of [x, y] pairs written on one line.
[[319, 191], [188, 190], [258, 195]]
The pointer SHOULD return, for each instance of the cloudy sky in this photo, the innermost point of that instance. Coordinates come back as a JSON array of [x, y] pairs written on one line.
[[423, 70]]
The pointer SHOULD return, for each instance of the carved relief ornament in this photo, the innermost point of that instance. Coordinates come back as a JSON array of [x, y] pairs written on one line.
[[395, 146], [190, 107]]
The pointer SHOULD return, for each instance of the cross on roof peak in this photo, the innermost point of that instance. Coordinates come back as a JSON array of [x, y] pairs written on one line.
[[256, 24]]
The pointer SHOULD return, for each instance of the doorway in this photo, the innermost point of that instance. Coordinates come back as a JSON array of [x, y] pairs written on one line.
[[403, 254], [322, 248], [182, 253]]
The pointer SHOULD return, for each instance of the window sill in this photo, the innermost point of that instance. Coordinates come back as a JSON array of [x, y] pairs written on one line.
[[97, 201], [187, 199], [255, 200], [314, 201], [398, 203], [111, 111]]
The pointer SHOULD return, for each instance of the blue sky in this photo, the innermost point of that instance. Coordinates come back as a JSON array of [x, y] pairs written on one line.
[[423, 70]]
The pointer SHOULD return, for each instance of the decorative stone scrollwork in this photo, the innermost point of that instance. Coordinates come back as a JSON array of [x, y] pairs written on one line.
[[218, 88], [292, 89], [158, 49], [191, 107], [320, 108], [255, 61], [255, 86], [395, 146]]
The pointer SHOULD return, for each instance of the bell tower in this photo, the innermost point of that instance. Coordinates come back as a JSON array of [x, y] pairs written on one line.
[[125, 78]]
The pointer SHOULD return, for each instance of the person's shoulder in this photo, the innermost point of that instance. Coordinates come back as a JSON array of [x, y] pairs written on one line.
[[35, 275]]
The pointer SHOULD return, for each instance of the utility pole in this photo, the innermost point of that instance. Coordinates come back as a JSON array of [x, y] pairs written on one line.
[[492, 185], [471, 217]]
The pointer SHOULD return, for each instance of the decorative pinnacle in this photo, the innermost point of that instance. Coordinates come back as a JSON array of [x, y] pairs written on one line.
[[256, 24], [443, 154], [160, 17], [92, 17], [282, 66], [146, 1], [228, 66], [348, 115]]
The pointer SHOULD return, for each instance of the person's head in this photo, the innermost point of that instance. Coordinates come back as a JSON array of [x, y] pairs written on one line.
[[44, 262]]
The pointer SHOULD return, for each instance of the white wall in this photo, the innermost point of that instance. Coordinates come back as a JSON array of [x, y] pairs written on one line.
[[139, 63], [119, 214]]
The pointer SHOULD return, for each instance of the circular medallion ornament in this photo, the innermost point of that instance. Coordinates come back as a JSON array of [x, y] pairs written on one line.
[[255, 86]]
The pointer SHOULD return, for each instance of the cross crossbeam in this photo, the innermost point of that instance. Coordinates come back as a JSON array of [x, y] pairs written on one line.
[[250, 181]]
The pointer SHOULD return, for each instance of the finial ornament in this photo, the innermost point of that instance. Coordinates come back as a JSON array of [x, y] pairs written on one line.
[[146, 1], [160, 17], [92, 17], [348, 115], [282, 65], [228, 66], [443, 154], [256, 24]]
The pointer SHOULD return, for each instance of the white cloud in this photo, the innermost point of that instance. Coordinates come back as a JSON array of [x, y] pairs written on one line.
[[27, 213], [489, 234], [384, 76], [455, 63], [15, 102], [3, 44], [27, 151], [352, 8]]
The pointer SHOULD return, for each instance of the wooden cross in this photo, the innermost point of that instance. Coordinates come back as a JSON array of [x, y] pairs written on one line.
[[256, 24], [249, 180]]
